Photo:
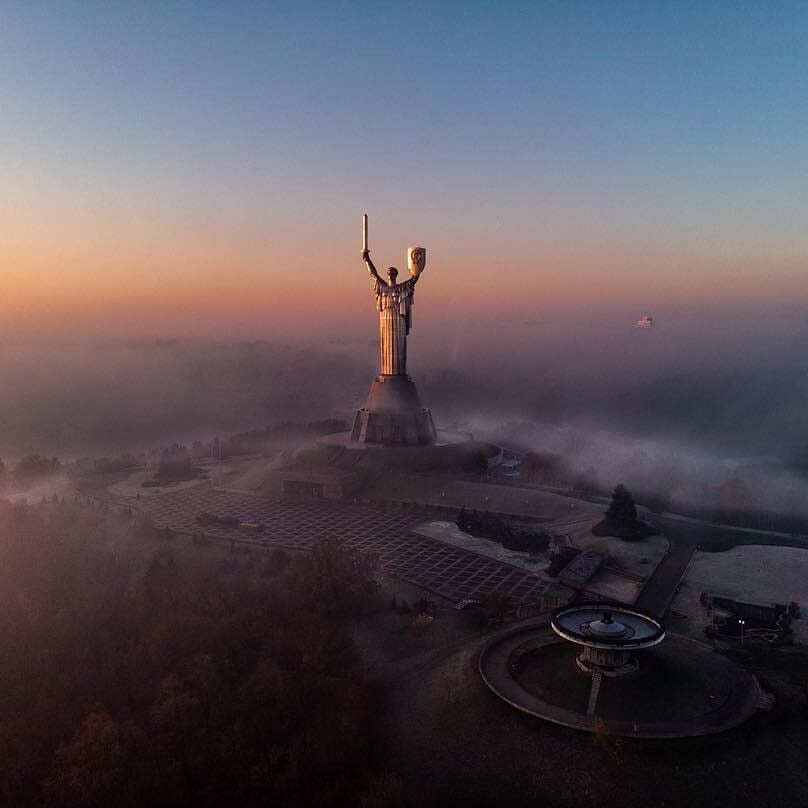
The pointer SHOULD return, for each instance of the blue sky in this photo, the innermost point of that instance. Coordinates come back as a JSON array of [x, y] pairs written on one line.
[[652, 134]]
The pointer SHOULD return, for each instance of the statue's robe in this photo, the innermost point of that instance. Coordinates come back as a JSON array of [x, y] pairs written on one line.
[[394, 304]]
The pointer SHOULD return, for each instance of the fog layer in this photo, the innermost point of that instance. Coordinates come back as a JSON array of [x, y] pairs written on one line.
[[691, 400]]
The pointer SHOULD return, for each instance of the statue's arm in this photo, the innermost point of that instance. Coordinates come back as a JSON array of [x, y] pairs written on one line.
[[371, 268]]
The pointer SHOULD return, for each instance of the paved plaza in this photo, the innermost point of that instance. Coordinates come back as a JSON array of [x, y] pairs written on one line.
[[387, 531]]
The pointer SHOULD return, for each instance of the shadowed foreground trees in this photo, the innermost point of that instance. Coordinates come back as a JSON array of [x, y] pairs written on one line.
[[137, 675]]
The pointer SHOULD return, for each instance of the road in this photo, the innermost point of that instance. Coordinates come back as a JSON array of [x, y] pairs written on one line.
[[684, 535], [660, 588]]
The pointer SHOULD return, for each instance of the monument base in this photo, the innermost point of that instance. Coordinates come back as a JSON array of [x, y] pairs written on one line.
[[393, 415]]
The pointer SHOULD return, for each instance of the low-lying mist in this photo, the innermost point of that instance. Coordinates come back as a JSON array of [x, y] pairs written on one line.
[[116, 396], [679, 407]]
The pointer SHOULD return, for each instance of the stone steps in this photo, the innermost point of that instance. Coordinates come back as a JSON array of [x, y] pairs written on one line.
[[597, 681]]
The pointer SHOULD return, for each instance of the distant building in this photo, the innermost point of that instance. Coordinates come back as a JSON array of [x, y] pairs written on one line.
[[646, 321], [313, 482]]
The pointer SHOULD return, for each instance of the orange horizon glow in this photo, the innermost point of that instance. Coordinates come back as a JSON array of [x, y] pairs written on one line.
[[129, 270], [196, 284]]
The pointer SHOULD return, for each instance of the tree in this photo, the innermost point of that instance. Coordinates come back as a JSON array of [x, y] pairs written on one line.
[[137, 676], [608, 740], [336, 579], [544, 468], [175, 464], [177, 720], [35, 467], [276, 561], [622, 511], [498, 605], [587, 483], [621, 519], [98, 765]]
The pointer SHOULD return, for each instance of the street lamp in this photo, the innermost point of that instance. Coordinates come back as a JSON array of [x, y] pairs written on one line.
[[742, 623]]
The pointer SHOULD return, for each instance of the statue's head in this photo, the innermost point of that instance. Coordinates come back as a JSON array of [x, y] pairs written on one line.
[[392, 274]]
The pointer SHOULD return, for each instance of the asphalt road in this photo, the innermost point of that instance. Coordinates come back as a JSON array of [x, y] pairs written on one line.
[[660, 588], [684, 536]]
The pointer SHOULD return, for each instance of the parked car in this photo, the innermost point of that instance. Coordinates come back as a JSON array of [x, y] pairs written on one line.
[[252, 523]]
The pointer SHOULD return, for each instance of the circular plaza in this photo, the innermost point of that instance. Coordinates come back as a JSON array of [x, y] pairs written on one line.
[[594, 666]]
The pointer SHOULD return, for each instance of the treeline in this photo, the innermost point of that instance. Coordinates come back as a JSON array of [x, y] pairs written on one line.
[[731, 501], [29, 469], [177, 460], [134, 673]]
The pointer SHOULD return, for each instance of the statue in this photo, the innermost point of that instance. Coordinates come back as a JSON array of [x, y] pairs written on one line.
[[394, 303], [393, 413]]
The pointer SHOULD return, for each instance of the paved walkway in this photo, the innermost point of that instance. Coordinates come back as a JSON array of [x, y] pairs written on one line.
[[386, 531]]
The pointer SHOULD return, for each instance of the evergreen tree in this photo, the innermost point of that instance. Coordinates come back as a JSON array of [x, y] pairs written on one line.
[[622, 510]]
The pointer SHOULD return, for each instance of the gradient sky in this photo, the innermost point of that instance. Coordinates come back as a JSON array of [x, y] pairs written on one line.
[[201, 168]]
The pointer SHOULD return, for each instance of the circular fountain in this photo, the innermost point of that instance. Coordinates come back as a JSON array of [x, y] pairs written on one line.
[[609, 636], [572, 671]]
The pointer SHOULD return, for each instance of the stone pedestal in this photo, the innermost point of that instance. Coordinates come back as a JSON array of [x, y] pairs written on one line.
[[393, 414], [610, 662]]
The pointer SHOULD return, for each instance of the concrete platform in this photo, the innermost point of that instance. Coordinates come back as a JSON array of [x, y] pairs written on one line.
[[386, 532], [448, 452], [393, 414], [682, 689], [443, 438]]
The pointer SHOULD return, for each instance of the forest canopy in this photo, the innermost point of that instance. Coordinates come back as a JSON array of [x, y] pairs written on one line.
[[140, 672]]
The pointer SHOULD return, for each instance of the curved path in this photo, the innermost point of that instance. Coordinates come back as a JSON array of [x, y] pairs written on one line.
[[739, 699]]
